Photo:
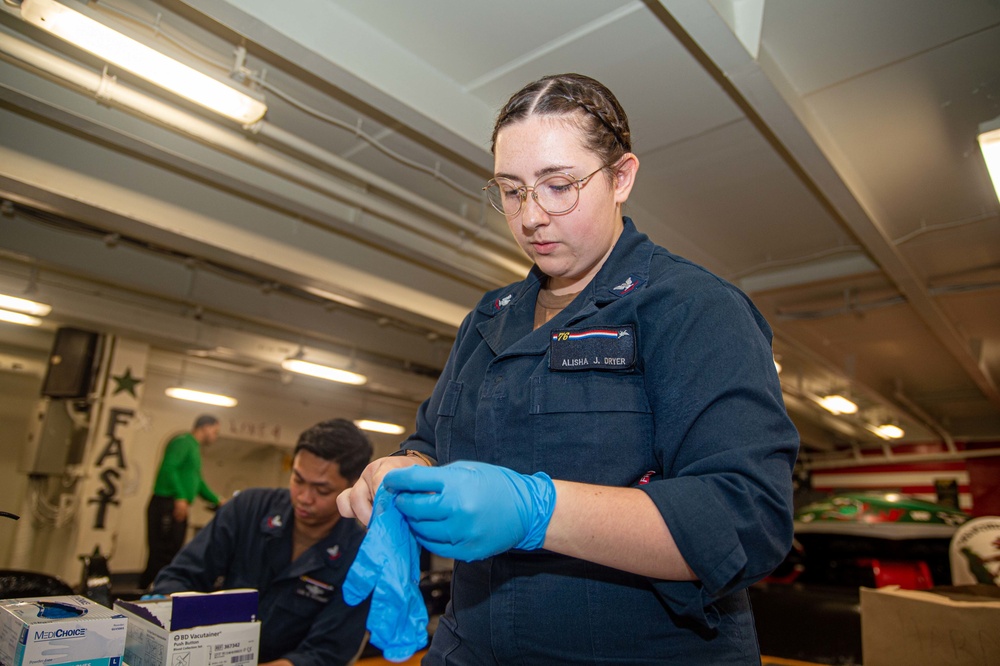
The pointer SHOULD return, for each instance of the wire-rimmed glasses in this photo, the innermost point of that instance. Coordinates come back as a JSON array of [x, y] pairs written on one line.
[[555, 193]]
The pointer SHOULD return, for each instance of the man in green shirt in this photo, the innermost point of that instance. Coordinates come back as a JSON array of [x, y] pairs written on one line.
[[178, 482]]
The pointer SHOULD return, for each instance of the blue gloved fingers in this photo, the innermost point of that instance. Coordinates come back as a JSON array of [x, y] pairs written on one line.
[[387, 567], [398, 618], [427, 515], [432, 501], [361, 578], [370, 560], [423, 506], [479, 510], [418, 478]]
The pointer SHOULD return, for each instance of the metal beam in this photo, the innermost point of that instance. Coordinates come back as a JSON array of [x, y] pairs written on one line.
[[786, 123]]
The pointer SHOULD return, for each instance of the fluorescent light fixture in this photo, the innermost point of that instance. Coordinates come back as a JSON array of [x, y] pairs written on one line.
[[19, 318], [888, 431], [380, 426], [216, 399], [838, 404], [130, 54], [323, 371], [989, 143], [24, 305]]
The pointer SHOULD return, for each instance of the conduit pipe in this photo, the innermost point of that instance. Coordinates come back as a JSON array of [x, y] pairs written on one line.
[[899, 458], [286, 139], [109, 90], [927, 420]]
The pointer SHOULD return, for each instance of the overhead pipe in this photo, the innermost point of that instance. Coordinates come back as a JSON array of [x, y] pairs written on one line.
[[288, 140], [898, 458], [109, 90], [889, 456], [929, 421]]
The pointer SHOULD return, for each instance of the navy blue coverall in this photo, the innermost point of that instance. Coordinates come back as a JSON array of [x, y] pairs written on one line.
[[659, 375]]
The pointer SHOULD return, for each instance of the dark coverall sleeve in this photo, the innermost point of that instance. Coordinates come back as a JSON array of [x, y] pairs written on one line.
[[423, 438], [725, 443], [205, 559]]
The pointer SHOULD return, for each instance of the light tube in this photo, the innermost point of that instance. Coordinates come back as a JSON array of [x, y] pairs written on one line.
[[323, 371], [889, 431], [838, 404], [24, 305], [380, 426], [129, 54], [19, 318], [216, 399], [989, 143]]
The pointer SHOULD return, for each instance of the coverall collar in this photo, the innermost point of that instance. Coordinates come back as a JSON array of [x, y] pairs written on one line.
[[278, 527], [512, 311]]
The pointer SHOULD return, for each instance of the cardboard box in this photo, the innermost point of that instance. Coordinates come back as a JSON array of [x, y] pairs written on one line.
[[954, 625], [193, 629], [45, 631]]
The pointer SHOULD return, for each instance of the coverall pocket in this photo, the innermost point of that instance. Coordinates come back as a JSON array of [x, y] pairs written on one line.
[[446, 411], [591, 426]]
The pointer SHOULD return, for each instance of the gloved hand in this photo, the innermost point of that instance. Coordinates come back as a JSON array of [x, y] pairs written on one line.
[[472, 510], [151, 597], [388, 563]]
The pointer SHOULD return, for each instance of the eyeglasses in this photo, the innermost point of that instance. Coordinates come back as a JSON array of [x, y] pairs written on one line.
[[555, 193]]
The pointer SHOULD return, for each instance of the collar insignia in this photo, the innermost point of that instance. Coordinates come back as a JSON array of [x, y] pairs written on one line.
[[626, 287]]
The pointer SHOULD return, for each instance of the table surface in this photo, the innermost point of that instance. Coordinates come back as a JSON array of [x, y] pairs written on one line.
[[415, 661]]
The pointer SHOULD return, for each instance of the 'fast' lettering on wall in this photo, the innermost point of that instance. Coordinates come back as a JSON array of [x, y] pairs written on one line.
[[107, 492]]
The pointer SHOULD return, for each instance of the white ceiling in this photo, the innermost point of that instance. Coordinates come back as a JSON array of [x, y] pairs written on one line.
[[820, 155]]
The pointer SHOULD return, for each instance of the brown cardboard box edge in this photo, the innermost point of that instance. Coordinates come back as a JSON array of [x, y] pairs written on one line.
[[956, 625]]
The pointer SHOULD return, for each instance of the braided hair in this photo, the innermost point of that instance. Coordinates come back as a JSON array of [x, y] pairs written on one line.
[[586, 100]]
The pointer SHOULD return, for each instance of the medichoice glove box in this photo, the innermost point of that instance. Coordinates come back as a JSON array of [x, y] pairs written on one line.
[[46, 631], [193, 629]]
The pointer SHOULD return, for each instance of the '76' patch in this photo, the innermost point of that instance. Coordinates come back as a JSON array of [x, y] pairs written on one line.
[[601, 348]]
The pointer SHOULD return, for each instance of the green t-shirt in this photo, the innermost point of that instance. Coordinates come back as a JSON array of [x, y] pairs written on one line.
[[179, 475]]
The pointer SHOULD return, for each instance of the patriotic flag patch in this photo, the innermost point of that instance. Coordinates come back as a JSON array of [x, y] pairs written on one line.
[[598, 348]]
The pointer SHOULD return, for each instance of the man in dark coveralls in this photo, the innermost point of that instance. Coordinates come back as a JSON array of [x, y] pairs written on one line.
[[294, 548]]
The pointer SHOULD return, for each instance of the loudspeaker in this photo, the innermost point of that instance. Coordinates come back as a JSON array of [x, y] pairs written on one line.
[[72, 364]]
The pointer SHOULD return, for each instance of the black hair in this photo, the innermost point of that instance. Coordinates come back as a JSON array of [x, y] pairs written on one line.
[[204, 420], [338, 440]]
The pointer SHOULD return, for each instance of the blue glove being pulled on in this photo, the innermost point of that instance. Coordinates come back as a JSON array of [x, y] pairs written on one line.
[[388, 567], [472, 510]]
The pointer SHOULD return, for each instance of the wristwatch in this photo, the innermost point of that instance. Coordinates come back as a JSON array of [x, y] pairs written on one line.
[[413, 453]]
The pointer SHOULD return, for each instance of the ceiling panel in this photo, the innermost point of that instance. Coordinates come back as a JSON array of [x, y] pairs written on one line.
[[836, 178], [821, 44]]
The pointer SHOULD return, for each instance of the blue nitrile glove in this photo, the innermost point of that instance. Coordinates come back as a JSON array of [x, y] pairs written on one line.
[[388, 563], [151, 597], [472, 510]]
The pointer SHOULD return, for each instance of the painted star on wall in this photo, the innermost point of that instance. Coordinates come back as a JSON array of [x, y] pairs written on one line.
[[126, 382]]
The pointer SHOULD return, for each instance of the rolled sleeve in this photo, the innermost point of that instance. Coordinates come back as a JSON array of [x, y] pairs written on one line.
[[727, 447], [716, 553]]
